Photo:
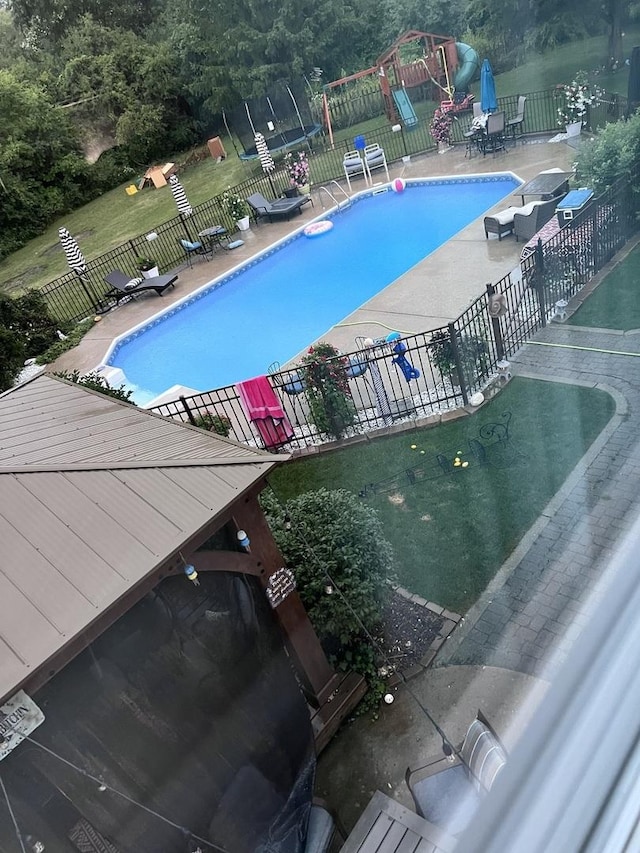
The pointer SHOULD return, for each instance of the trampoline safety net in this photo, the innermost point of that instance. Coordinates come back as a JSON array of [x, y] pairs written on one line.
[[282, 115]]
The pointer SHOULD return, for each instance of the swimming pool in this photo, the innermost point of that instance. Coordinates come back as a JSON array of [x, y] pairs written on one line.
[[275, 305]]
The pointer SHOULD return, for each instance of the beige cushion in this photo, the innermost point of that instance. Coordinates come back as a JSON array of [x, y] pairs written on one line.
[[504, 217]]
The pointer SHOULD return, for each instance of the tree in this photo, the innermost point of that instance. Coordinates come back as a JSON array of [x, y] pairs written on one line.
[[337, 550], [26, 328], [233, 51], [41, 167], [615, 12], [435, 16], [10, 40], [120, 78], [48, 21]]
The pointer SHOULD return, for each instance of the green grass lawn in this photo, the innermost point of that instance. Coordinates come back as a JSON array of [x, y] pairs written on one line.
[[115, 217], [615, 303], [450, 534]]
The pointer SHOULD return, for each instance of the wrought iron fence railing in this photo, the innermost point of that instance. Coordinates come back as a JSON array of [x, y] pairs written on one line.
[[70, 301], [424, 375]]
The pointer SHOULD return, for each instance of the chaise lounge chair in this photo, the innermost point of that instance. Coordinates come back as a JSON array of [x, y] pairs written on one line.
[[123, 285], [282, 208]]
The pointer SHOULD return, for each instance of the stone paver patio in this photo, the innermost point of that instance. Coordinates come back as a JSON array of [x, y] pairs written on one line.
[[544, 594]]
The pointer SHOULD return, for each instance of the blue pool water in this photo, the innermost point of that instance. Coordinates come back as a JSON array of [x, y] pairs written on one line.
[[275, 306]]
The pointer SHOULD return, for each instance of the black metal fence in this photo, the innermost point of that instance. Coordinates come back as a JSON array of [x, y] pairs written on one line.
[[424, 375], [70, 300]]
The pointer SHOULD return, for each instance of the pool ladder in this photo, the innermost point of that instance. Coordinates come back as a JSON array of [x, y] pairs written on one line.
[[332, 197]]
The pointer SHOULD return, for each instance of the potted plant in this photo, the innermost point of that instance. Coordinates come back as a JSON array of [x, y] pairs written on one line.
[[298, 169], [440, 129], [576, 97], [148, 267], [237, 209]]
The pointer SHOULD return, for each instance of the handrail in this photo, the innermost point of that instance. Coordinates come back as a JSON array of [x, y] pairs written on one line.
[[331, 195]]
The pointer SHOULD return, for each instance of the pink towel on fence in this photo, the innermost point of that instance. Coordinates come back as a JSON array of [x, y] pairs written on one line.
[[263, 408]]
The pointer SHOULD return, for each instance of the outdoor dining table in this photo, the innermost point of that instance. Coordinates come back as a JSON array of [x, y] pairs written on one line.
[[547, 185], [386, 826]]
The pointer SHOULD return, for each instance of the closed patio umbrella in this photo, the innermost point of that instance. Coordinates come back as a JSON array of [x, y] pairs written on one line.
[[72, 252], [266, 160], [488, 100], [633, 86], [77, 263], [181, 200], [180, 196], [384, 407]]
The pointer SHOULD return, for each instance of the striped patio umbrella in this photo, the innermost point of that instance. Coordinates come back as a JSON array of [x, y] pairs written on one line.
[[266, 160], [182, 202], [78, 264], [180, 196], [72, 252]]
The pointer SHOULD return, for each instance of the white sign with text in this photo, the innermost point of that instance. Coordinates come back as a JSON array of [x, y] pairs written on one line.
[[19, 716]]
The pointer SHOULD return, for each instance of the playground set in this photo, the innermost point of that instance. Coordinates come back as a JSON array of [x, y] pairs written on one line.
[[285, 119], [445, 65]]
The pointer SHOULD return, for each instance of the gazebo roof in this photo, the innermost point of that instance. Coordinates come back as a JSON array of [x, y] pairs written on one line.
[[97, 499]]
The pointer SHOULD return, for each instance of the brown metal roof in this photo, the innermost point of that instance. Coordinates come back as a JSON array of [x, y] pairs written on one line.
[[95, 496]]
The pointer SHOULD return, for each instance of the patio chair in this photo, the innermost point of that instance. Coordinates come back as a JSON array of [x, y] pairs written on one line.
[[193, 248], [123, 286], [493, 139], [374, 158], [353, 165], [530, 218], [515, 124], [281, 208], [446, 790], [473, 136]]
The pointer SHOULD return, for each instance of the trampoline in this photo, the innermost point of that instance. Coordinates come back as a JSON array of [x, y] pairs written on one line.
[[282, 116]]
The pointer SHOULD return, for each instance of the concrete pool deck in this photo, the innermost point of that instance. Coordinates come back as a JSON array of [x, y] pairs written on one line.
[[429, 295]]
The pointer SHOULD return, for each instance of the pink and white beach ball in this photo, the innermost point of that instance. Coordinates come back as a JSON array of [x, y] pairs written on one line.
[[398, 185]]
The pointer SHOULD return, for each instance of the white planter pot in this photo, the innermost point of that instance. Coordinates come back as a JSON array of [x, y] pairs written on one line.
[[243, 224], [573, 128], [305, 189], [152, 273]]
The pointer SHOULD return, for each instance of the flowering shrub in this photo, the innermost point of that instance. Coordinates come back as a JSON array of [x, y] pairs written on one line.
[[234, 205], [440, 127], [328, 393], [575, 98], [298, 166]]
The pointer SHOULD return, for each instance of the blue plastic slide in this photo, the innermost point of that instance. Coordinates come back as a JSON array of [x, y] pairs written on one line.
[[405, 108], [469, 65]]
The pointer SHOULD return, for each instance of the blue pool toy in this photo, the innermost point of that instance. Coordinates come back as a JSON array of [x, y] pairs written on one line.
[[410, 372]]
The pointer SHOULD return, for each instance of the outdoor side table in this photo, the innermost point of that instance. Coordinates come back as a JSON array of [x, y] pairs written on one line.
[[214, 236], [547, 185]]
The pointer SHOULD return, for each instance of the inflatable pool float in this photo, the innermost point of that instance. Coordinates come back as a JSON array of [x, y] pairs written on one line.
[[315, 229]]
